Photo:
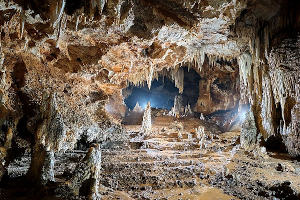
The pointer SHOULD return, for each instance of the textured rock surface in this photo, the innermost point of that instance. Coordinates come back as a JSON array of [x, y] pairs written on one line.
[[270, 71], [249, 135], [219, 87], [63, 65]]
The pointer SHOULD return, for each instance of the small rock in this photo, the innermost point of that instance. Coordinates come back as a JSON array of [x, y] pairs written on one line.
[[263, 150], [279, 167], [297, 170]]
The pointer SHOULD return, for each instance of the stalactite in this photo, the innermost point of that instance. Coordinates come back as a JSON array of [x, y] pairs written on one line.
[[147, 123], [77, 22], [245, 62], [61, 28], [267, 110], [118, 9], [178, 77], [22, 20], [150, 76], [60, 13], [131, 66], [101, 4], [199, 59]]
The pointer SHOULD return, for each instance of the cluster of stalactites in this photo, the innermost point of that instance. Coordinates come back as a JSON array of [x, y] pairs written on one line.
[[196, 58], [141, 79], [147, 123], [178, 77]]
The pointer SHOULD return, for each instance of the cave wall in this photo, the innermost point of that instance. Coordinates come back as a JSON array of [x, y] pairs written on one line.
[[61, 61], [269, 70], [218, 87]]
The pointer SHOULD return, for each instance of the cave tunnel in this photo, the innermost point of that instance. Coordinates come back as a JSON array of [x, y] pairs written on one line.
[[161, 95], [148, 99], [163, 92], [201, 96]]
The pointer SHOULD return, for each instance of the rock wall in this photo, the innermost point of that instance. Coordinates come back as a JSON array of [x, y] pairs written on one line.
[[219, 87], [269, 70], [60, 62]]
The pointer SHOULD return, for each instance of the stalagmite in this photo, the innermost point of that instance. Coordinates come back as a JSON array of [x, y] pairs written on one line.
[[187, 110], [177, 107], [200, 134], [147, 123], [50, 137], [88, 169], [137, 108], [202, 116], [249, 133]]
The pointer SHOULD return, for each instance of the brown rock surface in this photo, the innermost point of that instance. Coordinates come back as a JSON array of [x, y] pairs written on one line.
[[63, 65]]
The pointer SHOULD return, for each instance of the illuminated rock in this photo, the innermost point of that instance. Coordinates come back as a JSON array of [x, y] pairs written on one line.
[[249, 134], [63, 65], [147, 123], [137, 108]]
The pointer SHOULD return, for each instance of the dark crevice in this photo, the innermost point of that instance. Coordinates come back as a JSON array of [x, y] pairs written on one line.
[[73, 5]]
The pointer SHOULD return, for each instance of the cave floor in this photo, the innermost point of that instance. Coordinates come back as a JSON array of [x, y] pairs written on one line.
[[169, 164]]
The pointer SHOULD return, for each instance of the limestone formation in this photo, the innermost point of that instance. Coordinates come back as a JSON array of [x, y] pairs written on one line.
[[65, 71], [137, 108], [177, 108], [200, 135], [249, 134], [86, 176], [147, 122]]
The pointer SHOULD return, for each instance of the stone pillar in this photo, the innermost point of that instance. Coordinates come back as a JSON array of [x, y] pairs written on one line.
[[147, 124], [89, 169]]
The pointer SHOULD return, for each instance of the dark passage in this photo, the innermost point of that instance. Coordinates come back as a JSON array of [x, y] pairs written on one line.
[[191, 86], [163, 91], [161, 94]]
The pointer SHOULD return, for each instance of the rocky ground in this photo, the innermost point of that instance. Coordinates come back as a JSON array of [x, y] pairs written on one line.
[[170, 164]]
